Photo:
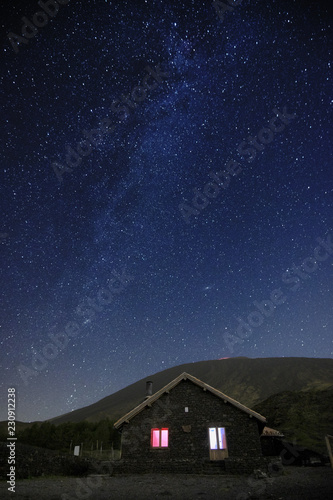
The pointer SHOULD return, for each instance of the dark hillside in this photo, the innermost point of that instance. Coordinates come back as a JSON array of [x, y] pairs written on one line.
[[249, 381], [305, 417]]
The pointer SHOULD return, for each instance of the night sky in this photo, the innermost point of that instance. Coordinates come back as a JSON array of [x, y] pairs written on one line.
[[166, 191]]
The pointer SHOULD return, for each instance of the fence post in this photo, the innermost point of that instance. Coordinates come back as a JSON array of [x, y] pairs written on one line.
[[329, 449]]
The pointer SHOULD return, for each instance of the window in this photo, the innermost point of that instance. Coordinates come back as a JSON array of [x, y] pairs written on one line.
[[217, 438], [159, 438], [218, 449]]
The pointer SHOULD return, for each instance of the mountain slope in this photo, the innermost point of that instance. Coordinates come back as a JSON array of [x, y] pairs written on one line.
[[305, 417], [249, 381]]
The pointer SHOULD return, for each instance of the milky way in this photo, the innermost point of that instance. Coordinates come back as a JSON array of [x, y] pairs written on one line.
[[166, 193]]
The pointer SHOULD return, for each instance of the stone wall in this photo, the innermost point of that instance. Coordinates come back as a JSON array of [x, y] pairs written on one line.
[[31, 461], [188, 450]]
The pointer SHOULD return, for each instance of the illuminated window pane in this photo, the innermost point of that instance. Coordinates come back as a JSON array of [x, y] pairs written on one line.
[[217, 438], [159, 438], [212, 438], [222, 439], [164, 438], [155, 438]]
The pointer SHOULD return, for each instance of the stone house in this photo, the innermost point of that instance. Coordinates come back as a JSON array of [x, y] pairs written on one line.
[[190, 427]]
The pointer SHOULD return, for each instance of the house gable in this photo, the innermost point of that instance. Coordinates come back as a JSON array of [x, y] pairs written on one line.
[[169, 387]]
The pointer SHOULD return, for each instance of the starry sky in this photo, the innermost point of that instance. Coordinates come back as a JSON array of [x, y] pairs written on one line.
[[166, 192]]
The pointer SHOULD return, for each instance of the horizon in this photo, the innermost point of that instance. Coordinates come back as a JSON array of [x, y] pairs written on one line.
[[151, 375]]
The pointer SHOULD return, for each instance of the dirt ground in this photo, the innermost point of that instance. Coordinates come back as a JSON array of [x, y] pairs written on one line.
[[307, 483]]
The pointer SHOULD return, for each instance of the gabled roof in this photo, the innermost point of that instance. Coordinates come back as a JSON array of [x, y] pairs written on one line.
[[185, 376]]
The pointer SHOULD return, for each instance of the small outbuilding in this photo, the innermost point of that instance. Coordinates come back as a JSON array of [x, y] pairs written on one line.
[[190, 427], [271, 442]]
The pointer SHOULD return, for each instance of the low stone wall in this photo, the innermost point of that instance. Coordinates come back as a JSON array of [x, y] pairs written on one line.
[[146, 467], [31, 461], [228, 466]]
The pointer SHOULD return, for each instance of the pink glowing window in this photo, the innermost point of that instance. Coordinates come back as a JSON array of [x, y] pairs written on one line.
[[159, 438], [164, 438]]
